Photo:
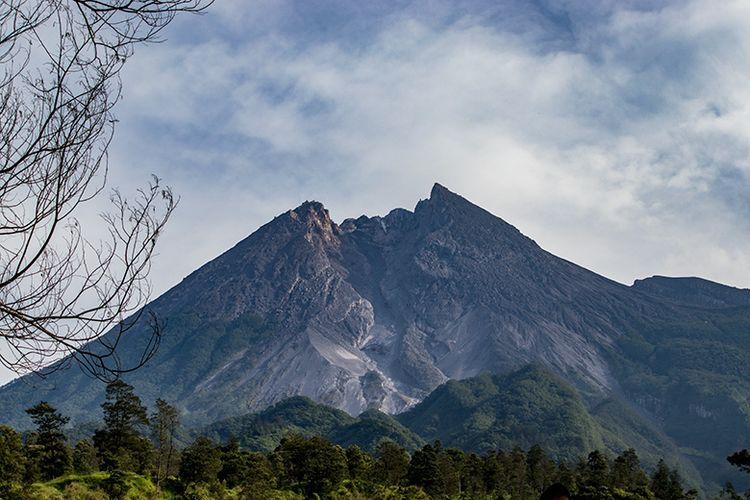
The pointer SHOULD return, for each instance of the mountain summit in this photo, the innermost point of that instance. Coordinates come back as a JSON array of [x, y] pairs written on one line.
[[376, 312]]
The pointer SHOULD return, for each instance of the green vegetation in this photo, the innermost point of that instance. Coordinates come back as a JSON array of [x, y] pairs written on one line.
[[532, 406], [498, 412], [391, 463], [120, 444], [95, 486], [300, 415], [488, 437], [316, 468], [692, 375]]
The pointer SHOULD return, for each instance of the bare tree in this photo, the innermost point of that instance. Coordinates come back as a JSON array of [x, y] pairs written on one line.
[[60, 63]]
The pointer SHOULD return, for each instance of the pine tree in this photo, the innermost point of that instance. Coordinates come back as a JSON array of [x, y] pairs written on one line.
[[392, 464], [51, 452], [424, 470], [358, 462], [473, 477], [201, 462], [259, 479], [233, 463], [120, 444], [517, 481], [595, 478], [627, 472], [540, 469], [85, 460], [666, 484], [314, 465]]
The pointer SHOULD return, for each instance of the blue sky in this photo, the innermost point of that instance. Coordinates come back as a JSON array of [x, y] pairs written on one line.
[[616, 134]]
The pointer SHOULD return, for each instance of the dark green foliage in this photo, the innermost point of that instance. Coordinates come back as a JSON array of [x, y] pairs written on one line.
[[626, 471], [741, 460], [436, 470], [311, 466], [116, 485], [392, 464], [666, 484], [30, 452], [300, 415], [264, 431], [259, 477], [85, 459], [370, 428], [540, 469], [12, 460], [693, 375], [251, 471], [120, 444], [532, 406], [201, 462], [596, 470], [424, 470], [50, 452], [316, 468], [488, 412], [358, 463], [233, 463]]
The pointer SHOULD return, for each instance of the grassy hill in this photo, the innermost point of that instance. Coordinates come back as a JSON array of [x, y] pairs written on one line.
[[95, 487], [300, 415], [532, 406]]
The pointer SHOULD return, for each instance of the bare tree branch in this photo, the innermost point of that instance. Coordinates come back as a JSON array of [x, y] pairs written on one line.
[[60, 63]]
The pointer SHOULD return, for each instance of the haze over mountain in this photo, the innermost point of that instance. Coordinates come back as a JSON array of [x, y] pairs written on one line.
[[376, 312]]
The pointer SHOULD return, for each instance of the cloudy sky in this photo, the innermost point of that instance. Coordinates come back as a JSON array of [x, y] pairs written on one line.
[[615, 134]]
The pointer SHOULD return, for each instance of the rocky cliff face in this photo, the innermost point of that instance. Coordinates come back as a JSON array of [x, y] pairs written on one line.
[[457, 291], [376, 312]]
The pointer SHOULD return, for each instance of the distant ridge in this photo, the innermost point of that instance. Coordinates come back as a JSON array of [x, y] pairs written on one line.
[[694, 291]]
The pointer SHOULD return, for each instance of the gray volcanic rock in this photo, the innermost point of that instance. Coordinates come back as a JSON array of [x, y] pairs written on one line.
[[376, 312], [459, 291]]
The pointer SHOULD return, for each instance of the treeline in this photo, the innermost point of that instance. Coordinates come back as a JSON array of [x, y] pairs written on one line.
[[133, 442]]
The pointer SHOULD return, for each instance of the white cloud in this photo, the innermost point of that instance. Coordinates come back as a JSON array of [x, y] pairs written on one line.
[[613, 157]]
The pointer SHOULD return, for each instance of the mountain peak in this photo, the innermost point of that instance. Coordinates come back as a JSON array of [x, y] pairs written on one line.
[[310, 208], [442, 195], [313, 215], [439, 190]]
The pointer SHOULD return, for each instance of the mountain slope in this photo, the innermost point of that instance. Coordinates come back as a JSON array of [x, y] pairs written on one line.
[[376, 312], [532, 406], [373, 313], [523, 408], [694, 291]]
